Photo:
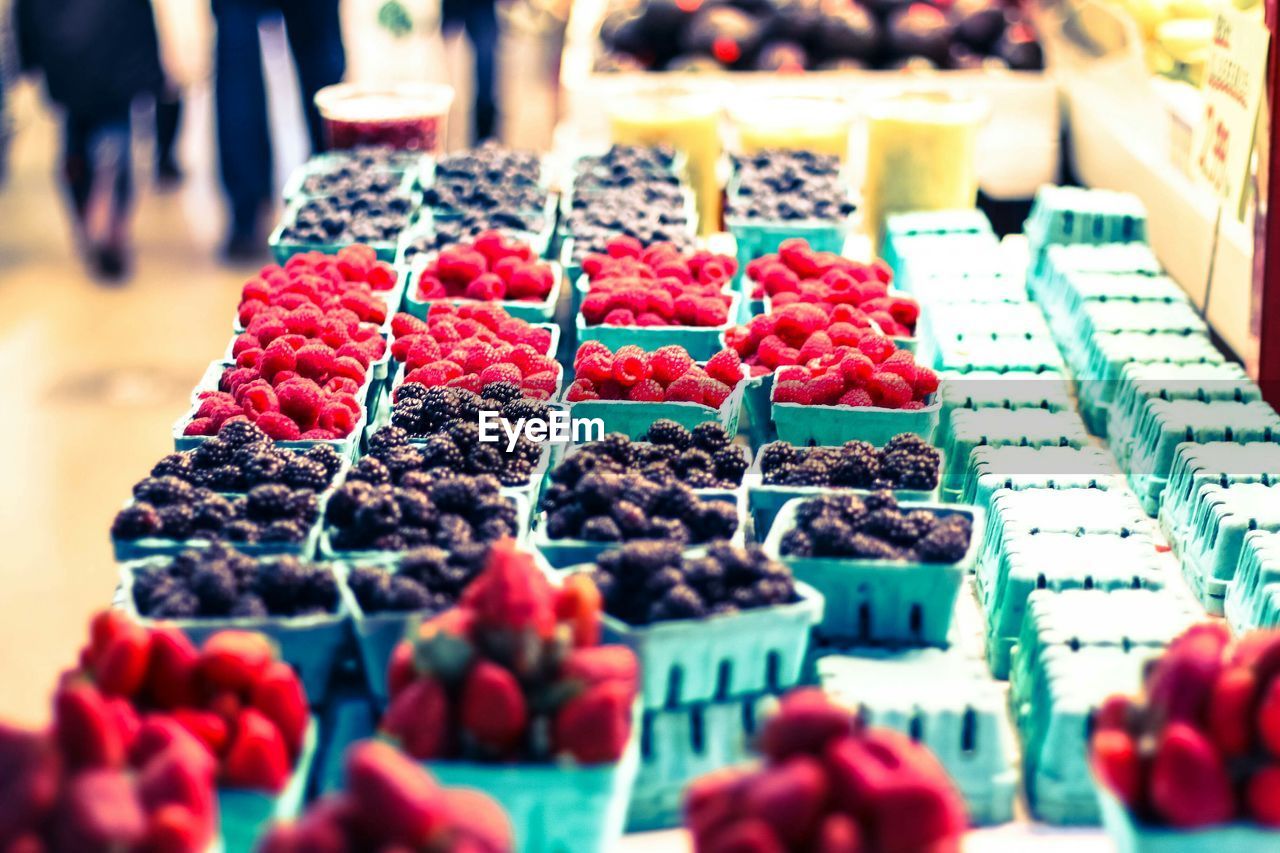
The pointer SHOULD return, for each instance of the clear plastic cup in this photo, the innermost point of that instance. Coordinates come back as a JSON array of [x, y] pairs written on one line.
[[792, 122], [407, 116], [921, 154]]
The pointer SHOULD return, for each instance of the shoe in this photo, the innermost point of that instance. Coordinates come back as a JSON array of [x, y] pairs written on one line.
[[110, 263], [243, 248]]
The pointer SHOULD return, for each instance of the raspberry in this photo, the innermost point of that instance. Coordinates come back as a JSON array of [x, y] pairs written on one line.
[[276, 357], [301, 400], [797, 322], [791, 392], [545, 381], [457, 265], [903, 363], [590, 348], [818, 344], [889, 390], [436, 373], [710, 312], [856, 368], [338, 419], [926, 382], [581, 389], [630, 365], [486, 287], [844, 334], [539, 339], [260, 399], [905, 311], [646, 391], [876, 347], [669, 363], [500, 373], [725, 366], [715, 392], [350, 350], [738, 339], [826, 389], [199, 426], [314, 361], [620, 317], [770, 351], [346, 366], [278, 426], [857, 397], [624, 246], [686, 389], [913, 405]]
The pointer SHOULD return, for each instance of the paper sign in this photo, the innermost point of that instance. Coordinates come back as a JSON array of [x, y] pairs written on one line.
[[1234, 79]]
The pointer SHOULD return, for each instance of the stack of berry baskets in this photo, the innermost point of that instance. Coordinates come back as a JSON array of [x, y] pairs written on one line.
[[656, 295], [557, 745], [890, 572], [716, 631], [325, 176], [629, 389], [329, 224], [908, 465], [493, 267], [675, 484]]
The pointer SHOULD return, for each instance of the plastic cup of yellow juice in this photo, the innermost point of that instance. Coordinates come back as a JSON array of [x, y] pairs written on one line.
[[921, 154], [795, 123], [689, 123]]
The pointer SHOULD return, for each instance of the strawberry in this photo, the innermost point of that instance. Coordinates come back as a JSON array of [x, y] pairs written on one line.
[[120, 666], [479, 821], [578, 602], [125, 719], [210, 728], [789, 797], [99, 810], [595, 725], [745, 836], [599, 664], [161, 733], [396, 798], [85, 727], [1179, 683], [492, 708], [176, 777], [1189, 784], [806, 719], [278, 694], [838, 833], [1117, 764], [418, 717], [713, 800], [258, 757], [233, 660], [1230, 711], [176, 829], [511, 593], [1269, 717], [1262, 795], [29, 783]]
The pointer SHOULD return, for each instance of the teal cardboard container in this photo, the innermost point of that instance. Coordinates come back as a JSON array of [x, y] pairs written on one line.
[[1018, 467], [312, 645], [1253, 601], [900, 227], [989, 389], [833, 425], [1216, 463], [701, 342], [730, 656], [1050, 262], [1130, 836], [757, 404], [765, 501], [989, 427], [282, 249], [1079, 215], [531, 311], [882, 601], [244, 816], [1213, 549], [634, 419], [554, 808]]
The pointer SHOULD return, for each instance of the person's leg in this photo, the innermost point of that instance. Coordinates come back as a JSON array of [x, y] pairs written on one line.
[[112, 142], [482, 29], [168, 120], [78, 171], [315, 38], [240, 101]]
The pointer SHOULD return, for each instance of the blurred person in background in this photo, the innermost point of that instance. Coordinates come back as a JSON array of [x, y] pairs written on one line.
[[479, 18], [97, 58], [244, 138]]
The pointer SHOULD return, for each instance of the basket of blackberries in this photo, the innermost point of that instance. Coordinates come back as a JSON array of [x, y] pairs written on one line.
[[242, 456], [604, 509], [724, 623], [703, 458], [437, 507], [890, 572], [167, 515], [390, 594], [298, 604], [907, 465], [440, 428], [778, 195], [328, 224]]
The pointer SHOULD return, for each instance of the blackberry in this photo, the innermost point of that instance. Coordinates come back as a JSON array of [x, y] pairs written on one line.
[[464, 562], [269, 502], [456, 495], [776, 454], [664, 431], [416, 509], [640, 492], [174, 465], [615, 446], [212, 453], [659, 473], [908, 441], [912, 467], [700, 478], [320, 589], [692, 459], [345, 500], [889, 524], [672, 529], [921, 521], [857, 465], [422, 481], [439, 451], [565, 523], [517, 409], [410, 415], [796, 543], [883, 499], [224, 478], [830, 535], [466, 434], [469, 407], [493, 529], [249, 607], [136, 521], [768, 592], [178, 604], [598, 490], [162, 491], [649, 556], [675, 500], [262, 467], [646, 454], [715, 520], [871, 548], [369, 585], [400, 460], [243, 531], [424, 564], [304, 506], [517, 473], [947, 542], [215, 586], [284, 530], [680, 602], [177, 521], [242, 433], [370, 470], [303, 473], [601, 528], [710, 436], [813, 471], [387, 438], [781, 475], [379, 513], [412, 391], [327, 455], [149, 585], [730, 466], [405, 594], [484, 459], [452, 531], [822, 505], [503, 392], [707, 575], [657, 583]]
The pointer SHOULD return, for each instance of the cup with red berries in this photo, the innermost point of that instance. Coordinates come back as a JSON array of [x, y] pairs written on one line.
[[629, 389], [1193, 763], [491, 267]]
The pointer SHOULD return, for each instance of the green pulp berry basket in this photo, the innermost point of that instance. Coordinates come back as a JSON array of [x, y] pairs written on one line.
[[634, 419], [1130, 836], [802, 424], [554, 808], [530, 310], [882, 601], [729, 656], [283, 249], [244, 816]]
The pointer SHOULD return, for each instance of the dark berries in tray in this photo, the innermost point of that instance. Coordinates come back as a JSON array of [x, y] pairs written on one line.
[[704, 458], [243, 456], [438, 507], [427, 579], [907, 461], [625, 165], [789, 186], [875, 528], [645, 582], [219, 582], [365, 219], [606, 506], [171, 508]]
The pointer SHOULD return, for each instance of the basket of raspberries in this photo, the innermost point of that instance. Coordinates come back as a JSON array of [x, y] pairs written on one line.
[[889, 572], [871, 391], [470, 345], [492, 267], [655, 296], [725, 624], [512, 694], [369, 516], [584, 516], [352, 286], [629, 389], [295, 603], [390, 803], [827, 782], [704, 457], [907, 465], [1191, 764]]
